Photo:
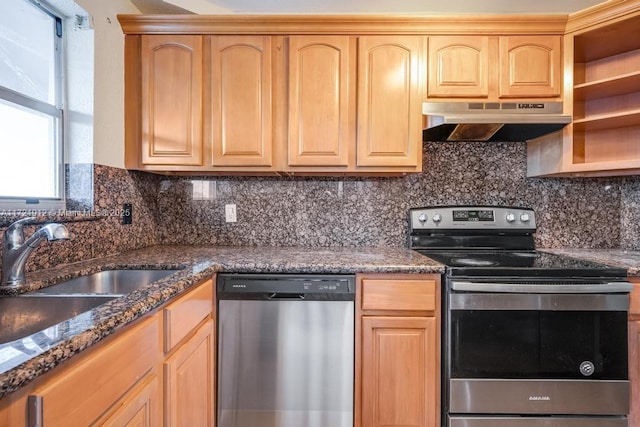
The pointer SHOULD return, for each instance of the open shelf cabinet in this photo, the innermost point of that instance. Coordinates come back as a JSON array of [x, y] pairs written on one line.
[[603, 96]]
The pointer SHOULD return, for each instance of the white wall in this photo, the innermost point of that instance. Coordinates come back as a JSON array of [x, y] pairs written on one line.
[[108, 109]]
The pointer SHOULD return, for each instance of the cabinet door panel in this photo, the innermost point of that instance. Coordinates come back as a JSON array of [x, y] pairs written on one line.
[[189, 381], [399, 371], [634, 372], [530, 66], [139, 408], [389, 101], [240, 107], [458, 67], [320, 100], [171, 100]]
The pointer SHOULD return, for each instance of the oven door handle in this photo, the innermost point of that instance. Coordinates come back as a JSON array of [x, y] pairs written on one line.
[[554, 288], [538, 302]]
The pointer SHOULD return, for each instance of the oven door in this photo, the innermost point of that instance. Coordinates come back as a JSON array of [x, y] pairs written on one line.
[[528, 354]]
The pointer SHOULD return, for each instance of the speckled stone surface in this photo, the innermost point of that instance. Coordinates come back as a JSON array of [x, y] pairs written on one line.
[[99, 232], [23, 360], [630, 214], [373, 211], [627, 259]]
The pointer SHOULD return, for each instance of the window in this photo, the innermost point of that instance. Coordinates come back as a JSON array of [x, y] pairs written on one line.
[[31, 144]]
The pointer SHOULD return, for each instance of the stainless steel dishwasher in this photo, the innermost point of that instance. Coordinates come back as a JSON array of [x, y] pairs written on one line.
[[285, 350]]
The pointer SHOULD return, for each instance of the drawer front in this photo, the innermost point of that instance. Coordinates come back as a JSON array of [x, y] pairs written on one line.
[[399, 294], [83, 392], [184, 315], [634, 298]]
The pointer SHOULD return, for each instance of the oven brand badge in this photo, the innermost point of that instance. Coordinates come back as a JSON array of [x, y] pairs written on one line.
[[539, 398]]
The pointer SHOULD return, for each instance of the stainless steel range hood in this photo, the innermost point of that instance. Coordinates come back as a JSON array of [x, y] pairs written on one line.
[[491, 121]]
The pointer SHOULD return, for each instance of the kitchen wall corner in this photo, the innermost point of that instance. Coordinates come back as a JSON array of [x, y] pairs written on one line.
[[99, 231]]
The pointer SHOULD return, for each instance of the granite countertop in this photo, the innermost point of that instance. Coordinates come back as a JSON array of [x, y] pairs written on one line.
[[629, 260], [23, 360]]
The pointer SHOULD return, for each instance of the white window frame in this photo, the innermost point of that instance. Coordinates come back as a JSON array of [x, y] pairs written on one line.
[[42, 206]]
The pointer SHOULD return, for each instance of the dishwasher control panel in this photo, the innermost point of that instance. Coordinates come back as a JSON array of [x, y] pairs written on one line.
[[281, 286]]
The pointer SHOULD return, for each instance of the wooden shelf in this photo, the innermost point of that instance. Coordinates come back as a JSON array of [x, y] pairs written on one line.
[[608, 121], [603, 58], [608, 40], [619, 85]]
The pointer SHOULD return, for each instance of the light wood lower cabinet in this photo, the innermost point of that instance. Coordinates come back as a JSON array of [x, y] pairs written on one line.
[[121, 381], [189, 363], [139, 407], [397, 351], [399, 374], [634, 372], [189, 387], [83, 391], [634, 353]]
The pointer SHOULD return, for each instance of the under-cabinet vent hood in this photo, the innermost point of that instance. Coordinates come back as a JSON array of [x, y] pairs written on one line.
[[491, 121]]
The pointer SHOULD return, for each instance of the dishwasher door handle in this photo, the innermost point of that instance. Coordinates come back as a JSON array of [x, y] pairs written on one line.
[[281, 295]]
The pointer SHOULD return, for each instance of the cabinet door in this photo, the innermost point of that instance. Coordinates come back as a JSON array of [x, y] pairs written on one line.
[[171, 105], [399, 371], [458, 67], [389, 101], [86, 389], [530, 66], [190, 381], [238, 114], [321, 99], [139, 408], [634, 372]]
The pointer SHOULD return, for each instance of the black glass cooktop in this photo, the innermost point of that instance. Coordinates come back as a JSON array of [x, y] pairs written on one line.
[[519, 264]]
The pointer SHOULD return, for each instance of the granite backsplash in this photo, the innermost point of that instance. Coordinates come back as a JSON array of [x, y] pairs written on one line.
[[584, 213], [303, 211], [99, 232]]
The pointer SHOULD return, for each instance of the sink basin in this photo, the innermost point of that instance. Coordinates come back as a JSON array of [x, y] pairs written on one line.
[[108, 282], [21, 317]]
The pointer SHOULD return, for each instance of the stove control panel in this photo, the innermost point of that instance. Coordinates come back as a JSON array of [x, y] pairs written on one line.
[[472, 217]]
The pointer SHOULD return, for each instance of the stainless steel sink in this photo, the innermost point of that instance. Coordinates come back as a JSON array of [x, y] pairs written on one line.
[[108, 282], [21, 316]]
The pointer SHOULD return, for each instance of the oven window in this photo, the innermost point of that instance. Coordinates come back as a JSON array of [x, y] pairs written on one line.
[[538, 344]]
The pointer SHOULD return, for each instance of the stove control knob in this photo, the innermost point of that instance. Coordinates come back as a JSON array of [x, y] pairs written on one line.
[[422, 218], [437, 218], [510, 217], [525, 217]]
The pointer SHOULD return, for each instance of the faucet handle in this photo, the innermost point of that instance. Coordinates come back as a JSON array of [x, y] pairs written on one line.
[[14, 234]]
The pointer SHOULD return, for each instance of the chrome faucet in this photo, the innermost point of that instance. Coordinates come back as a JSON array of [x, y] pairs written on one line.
[[16, 251]]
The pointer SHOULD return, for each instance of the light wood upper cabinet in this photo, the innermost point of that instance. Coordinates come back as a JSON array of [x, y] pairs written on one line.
[[495, 67], [458, 67], [389, 101], [530, 66], [321, 101], [238, 122], [171, 100]]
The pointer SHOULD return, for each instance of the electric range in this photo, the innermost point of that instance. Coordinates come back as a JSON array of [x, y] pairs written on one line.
[[529, 338]]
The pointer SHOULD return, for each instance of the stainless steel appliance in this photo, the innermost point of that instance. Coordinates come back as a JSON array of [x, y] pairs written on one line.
[[492, 121], [529, 338], [285, 350]]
